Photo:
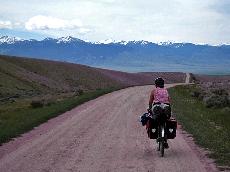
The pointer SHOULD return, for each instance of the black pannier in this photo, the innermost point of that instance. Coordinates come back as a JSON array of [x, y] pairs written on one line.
[[167, 111], [153, 129], [171, 126]]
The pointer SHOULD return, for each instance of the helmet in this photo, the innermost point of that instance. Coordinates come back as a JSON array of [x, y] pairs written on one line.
[[159, 82]]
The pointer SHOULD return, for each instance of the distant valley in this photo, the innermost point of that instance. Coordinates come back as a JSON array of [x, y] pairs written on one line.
[[131, 56]]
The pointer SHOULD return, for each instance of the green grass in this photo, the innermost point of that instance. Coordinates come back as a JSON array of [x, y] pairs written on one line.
[[210, 127], [18, 120]]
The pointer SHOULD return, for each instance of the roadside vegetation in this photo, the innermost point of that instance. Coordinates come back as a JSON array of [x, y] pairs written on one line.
[[22, 116], [204, 113]]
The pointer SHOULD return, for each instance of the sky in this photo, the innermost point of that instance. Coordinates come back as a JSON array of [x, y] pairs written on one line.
[[195, 21]]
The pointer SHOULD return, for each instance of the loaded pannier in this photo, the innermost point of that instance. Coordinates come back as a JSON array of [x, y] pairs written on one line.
[[153, 129], [171, 126]]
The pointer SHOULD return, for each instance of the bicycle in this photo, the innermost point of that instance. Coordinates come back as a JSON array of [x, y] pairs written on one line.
[[161, 127]]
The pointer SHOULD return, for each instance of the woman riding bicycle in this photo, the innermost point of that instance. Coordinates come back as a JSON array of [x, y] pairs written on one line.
[[159, 94], [159, 99]]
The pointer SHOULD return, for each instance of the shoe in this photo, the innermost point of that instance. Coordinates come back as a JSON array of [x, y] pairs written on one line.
[[166, 145]]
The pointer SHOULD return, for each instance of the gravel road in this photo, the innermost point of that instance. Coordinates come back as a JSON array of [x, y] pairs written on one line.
[[187, 79], [101, 135]]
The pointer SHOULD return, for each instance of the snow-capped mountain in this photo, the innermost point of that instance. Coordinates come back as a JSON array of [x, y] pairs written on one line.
[[110, 41], [106, 41], [122, 42], [124, 55], [68, 39], [9, 40]]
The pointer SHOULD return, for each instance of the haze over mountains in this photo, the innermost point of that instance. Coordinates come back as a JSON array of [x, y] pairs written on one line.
[[131, 56]]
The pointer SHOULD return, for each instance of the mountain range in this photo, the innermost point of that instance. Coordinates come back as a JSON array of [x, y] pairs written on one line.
[[129, 56]]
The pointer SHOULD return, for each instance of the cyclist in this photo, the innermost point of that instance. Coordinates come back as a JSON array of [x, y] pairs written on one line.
[[159, 96]]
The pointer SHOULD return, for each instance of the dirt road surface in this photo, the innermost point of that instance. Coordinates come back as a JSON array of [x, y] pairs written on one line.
[[187, 79], [101, 135]]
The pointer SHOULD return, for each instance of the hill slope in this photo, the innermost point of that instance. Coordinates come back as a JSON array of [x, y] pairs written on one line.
[[33, 77], [26, 77]]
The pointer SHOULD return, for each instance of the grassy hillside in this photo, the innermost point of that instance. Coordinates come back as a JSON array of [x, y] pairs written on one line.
[[30, 77], [26, 77], [143, 78]]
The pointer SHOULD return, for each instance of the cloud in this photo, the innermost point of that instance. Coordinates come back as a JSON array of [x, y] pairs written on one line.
[[40, 22], [84, 30], [222, 8], [153, 20], [6, 25]]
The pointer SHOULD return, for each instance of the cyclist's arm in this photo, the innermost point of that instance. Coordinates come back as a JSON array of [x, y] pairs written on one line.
[[151, 99], [169, 99]]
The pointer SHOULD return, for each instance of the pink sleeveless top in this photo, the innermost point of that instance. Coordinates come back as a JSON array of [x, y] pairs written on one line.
[[161, 95]]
